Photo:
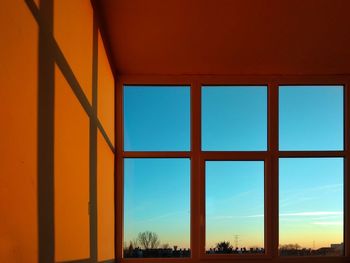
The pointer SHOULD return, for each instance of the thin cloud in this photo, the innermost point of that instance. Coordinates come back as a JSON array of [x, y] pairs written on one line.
[[307, 194], [224, 217], [316, 188], [253, 216], [331, 217], [163, 216], [299, 214], [312, 213], [328, 223]]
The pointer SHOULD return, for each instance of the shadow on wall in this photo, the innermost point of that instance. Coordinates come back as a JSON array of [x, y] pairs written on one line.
[[57, 151]]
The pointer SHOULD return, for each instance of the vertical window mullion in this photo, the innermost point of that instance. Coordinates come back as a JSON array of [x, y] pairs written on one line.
[[195, 169], [119, 173], [346, 169], [272, 186]]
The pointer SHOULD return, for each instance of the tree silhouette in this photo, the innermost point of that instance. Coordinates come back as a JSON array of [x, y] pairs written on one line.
[[224, 246], [135, 242], [148, 239], [290, 247]]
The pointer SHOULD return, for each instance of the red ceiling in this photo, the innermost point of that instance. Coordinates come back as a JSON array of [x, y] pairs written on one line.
[[228, 36]]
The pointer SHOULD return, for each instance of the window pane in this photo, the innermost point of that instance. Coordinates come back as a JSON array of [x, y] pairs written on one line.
[[156, 118], [157, 203], [234, 118], [311, 118], [234, 207], [311, 206]]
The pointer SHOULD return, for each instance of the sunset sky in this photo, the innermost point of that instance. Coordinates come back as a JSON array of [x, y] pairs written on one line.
[[157, 191]]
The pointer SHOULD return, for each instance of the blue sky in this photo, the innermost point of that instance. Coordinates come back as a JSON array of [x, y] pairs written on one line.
[[235, 202], [157, 118], [157, 191], [234, 119], [157, 199], [311, 201], [311, 118]]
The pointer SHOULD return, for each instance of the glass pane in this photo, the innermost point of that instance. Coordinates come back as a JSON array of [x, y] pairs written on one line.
[[156, 208], [234, 207], [156, 118], [311, 206], [311, 118], [234, 118]]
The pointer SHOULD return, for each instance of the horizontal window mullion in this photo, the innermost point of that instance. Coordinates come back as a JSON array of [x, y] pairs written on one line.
[[234, 155]]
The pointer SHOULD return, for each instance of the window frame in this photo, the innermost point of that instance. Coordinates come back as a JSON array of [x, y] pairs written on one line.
[[198, 158]]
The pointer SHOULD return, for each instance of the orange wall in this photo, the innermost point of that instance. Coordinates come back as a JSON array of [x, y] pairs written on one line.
[[71, 174], [18, 133], [105, 157], [105, 91], [105, 197], [73, 32]]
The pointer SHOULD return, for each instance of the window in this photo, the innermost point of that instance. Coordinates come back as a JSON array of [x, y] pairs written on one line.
[[156, 212], [311, 118], [311, 189], [234, 118], [311, 206], [223, 172], [156, 118], [156, 207], [234, 207]]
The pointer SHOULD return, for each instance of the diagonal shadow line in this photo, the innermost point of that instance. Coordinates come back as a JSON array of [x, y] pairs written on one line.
[[69, 76], [67, 72], [33, 9]]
